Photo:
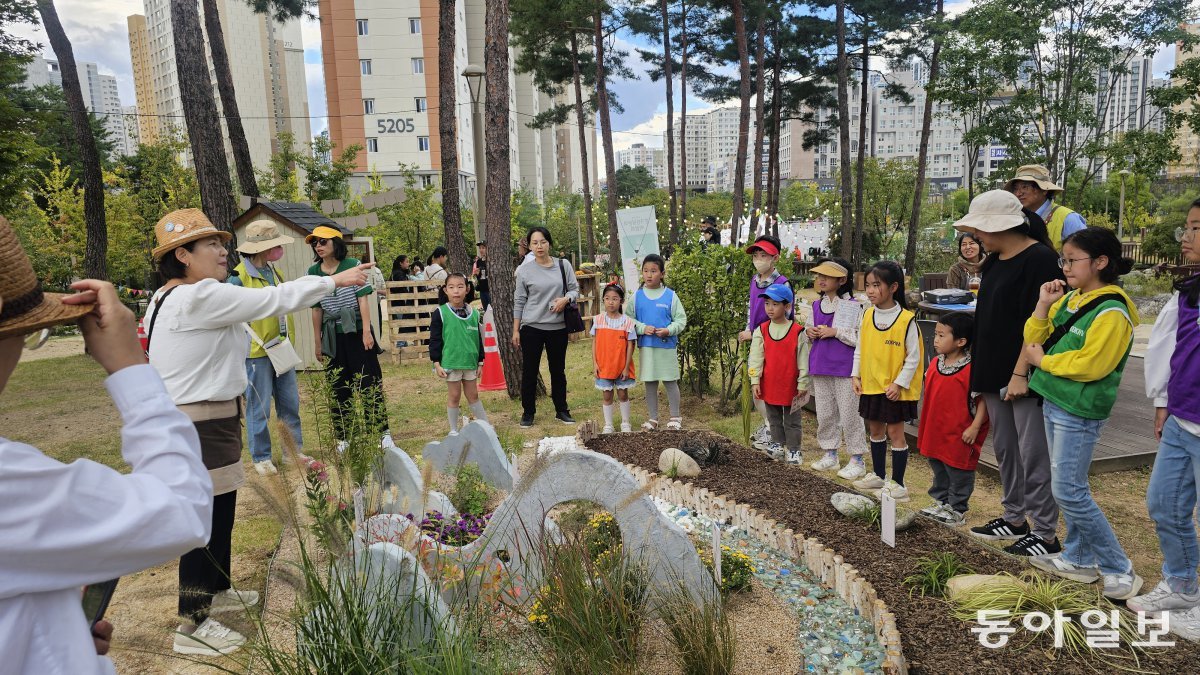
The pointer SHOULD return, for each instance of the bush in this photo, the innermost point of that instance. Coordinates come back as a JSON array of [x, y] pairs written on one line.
[[452, 531], [470, 495], [602, 537], [933, 571], [737, 569]]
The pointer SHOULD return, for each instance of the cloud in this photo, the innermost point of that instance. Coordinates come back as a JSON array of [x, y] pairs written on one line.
[[314, 76]]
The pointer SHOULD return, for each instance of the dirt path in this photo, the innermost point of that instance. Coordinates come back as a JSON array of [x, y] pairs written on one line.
[[70, 345]]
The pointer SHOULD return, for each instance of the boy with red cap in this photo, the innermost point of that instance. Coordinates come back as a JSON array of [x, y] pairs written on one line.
[[765, 253]]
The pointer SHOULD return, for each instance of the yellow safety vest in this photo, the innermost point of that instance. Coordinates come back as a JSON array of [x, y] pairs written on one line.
[[882, 353], [1058, 216], [267, 328]]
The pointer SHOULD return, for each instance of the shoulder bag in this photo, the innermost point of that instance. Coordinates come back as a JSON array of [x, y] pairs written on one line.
[[1083, 311], [571, 315]]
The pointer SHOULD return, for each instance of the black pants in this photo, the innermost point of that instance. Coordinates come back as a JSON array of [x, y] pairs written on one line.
[[204, 572], [357, 368], [950, 485], [533, 341], [485, 297]]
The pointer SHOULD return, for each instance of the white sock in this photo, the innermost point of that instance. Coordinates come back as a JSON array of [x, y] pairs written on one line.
[[625, 412], [452, 416], [478, 411], [607, 414]]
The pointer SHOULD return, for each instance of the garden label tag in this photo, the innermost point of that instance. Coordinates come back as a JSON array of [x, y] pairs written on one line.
[[716, 543], [358, 510], [888, 520]]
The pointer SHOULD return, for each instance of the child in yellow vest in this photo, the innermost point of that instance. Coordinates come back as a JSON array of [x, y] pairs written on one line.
[[887, 374], [614, 336]]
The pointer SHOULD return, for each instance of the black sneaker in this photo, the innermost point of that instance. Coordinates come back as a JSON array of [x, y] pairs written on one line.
[[999, 529], [564, 417], [1032, 545], [526, 420]]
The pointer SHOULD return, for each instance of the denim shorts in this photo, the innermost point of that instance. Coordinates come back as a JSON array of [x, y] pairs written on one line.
[[604, 384]]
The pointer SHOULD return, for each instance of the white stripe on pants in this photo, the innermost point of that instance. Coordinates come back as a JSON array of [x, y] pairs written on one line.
[[837, 414]]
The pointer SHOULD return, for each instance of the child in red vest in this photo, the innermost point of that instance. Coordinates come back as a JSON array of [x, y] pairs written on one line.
[[779, 371], [954, 422]]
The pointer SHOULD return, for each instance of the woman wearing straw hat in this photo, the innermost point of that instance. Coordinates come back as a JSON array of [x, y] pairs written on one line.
[[263, 246], [198, 343], [1032, 185], [63, 526]]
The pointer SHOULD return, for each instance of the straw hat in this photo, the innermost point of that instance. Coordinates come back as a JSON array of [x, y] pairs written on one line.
[[992, 211], [24, 308], [1034, 173], [182, 227], [262, 235], [322, 232]]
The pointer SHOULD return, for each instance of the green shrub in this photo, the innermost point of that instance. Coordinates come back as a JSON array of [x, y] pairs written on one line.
[[737, 569], [933, 571], [470, 494], [602, 537]]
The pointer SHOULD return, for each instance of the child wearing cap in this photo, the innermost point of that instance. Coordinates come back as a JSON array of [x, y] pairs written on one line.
[[765, 253], [778, 367]]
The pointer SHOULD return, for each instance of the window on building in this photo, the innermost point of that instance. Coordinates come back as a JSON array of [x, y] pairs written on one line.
[[426, 180], [423, 143], [362, 26], [418, 66], [368, 106], [422, 104], [364, 66], [414, 26], [372, 145]]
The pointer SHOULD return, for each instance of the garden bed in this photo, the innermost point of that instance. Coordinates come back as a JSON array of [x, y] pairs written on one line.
[[933, 641]]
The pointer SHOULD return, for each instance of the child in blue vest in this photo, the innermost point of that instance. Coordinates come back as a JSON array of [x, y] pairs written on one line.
[[778, 366], [456, 349], [659, 318]]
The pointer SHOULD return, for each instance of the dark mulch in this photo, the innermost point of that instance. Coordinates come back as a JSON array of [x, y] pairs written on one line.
[[934, 641]]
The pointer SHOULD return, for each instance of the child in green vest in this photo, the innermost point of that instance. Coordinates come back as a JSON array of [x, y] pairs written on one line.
[[456, 348], [1079, 342]]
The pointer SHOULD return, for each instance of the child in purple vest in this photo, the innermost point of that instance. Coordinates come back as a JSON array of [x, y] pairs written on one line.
[[1173, 382], [829, 363], [765, 253]]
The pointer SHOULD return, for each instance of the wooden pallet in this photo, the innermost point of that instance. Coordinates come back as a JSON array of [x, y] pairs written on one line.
[[408, 307]]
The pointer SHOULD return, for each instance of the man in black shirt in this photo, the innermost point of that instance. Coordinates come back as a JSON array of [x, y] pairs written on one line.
[[480, 273]]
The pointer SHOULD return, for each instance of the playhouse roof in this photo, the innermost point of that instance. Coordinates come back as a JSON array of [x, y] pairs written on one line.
[[300, 215]]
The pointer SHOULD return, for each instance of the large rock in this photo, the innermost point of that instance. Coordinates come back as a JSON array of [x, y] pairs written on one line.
[[475, 444], [849, 503], [404, 490], [396, 582], [965, 583], [676, 463]]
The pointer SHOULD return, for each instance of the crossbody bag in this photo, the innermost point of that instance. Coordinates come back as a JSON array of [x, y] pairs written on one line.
[[571, 315]]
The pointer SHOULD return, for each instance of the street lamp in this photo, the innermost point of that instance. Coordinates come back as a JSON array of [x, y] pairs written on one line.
[[474, 75], [1121, 213]]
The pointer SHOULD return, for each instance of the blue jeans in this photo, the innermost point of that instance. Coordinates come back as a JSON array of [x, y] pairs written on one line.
[[264, 384], [1090, 541], [1171, 499]]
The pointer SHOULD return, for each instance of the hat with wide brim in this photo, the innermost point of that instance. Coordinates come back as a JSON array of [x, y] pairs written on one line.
[[1034, 173], [322, 232], [992, 211], [183, 227], [831, 269], [262, 235], [24, 307]]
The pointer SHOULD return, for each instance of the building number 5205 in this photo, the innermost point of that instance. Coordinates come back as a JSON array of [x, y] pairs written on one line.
[[395, 126]]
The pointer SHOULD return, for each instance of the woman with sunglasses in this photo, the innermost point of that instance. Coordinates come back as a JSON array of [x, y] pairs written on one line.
[[342, 324], [197, 341]]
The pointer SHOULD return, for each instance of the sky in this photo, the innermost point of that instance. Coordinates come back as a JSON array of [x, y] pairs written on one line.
[[97, 29]]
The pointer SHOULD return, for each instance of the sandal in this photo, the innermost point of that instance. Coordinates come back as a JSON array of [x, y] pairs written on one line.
[[675, 424], [650, 425]]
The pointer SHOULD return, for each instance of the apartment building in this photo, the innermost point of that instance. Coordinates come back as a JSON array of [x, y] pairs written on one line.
[[654, 159], [99, 96]]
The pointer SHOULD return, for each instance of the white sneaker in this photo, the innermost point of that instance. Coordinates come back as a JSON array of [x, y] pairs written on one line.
[[265, 468], [608, 429], [897, 491], [853, 470], [1122, 586], [761, 438], [868, 482], [794, 457], [231, 600], [1161, 598], [387, 441], [933, 510], [341, 446], [1185, 623], [827, 463], [626, 427], [208, 639], [776, 451], [1059, 567], [949, 517]]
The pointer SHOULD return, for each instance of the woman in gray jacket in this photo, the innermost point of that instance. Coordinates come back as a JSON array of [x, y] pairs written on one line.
[[544, 288]]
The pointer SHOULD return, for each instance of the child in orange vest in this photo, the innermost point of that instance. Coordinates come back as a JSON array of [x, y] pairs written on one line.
[[614, 336], [778, 367]]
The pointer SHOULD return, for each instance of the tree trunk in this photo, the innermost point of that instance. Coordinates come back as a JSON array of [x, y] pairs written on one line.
[[233, 119], [581, 124], [777, 135], [200, 116], [739, 178], [760, 56], [683, 184], [674, 238], [861, 166], [910, 248], [460, 260], [843, 96], [614, 243], [498, 207], [95, 253]]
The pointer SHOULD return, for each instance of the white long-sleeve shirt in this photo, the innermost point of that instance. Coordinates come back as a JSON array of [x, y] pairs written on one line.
[[63, 526], [1158, 359], [199, 344], [912, 345]]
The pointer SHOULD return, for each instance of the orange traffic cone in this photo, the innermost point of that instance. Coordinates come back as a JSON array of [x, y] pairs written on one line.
[[492, 378]]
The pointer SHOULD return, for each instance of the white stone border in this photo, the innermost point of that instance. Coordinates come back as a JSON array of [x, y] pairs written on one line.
[[829, 567]]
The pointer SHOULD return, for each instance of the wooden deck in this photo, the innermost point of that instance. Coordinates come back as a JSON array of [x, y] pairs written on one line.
[[1127, 441]]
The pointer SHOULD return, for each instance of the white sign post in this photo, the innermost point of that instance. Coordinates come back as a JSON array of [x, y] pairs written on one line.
[[637, 230], [888, 521]]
